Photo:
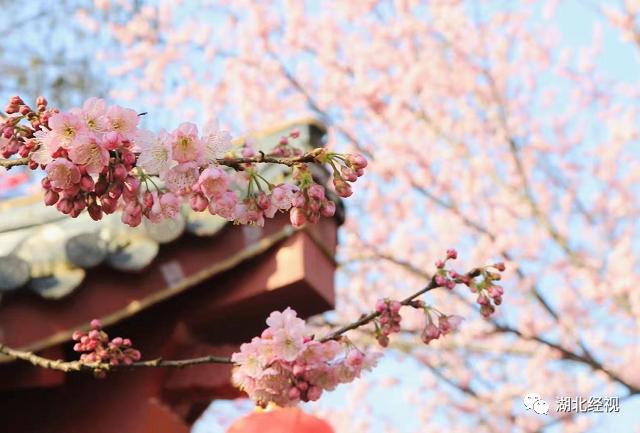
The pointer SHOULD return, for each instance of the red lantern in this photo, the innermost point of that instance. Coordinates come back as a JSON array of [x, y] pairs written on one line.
[[286, 420]]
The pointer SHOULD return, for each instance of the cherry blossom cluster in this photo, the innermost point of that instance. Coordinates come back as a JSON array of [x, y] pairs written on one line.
[[446, 324], [481, 281], [389, 320], [96, 348], [351, 168], [97, 158], [18, 130], [285, 365], [489, 293], [310, 201]]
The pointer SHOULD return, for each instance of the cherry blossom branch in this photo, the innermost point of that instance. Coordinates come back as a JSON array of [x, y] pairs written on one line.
[[433, 284], [100, 367], [309, 157], [14, 162], [585, 357], [73, 366]]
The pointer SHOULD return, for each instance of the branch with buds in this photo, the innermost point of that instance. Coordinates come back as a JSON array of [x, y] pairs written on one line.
[[285, 364]]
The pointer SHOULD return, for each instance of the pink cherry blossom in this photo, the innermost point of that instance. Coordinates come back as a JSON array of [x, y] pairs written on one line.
[[62, 173], [165, 206], [186, 146], [93, 112], [283, 195], [66, 130], [124, 121], [213, 182], [91, 154], [224, 205], [216, 142], [155, 153], [182, 178]]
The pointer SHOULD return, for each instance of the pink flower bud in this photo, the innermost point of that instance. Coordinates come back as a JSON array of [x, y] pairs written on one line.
[[356, 160], [128, 158], [495, 291], [297, 217], [383, 340], [51, 197], [115, 190], [441, 281], [430, 333], [395, 306], [46, 183], [86, 183], [294, 393], [314, 393], [95, 324], [65, 206], [95, 212], [263, 201], [342, 188], [483, 300], [198, 202], [487, 310], [452, 254], [109, 204], [101, 186], [349, 174], [316, 192], [328, 209], [79, 205], [298, 200], [120, 172]]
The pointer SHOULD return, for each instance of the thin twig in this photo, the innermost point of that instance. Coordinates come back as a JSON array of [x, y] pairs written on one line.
[[71, 366], [10, 163], [235, 163]]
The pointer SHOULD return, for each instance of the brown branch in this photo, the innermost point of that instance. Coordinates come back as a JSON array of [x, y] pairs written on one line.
[[369, 317], [308, 157], [570, 355], [235, 163], [10, 163], [72, 366]]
